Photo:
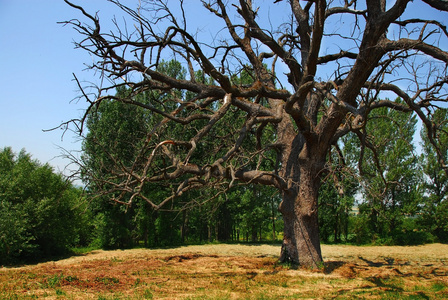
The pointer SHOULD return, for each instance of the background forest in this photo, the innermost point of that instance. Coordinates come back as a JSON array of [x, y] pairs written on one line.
[[395, 195]]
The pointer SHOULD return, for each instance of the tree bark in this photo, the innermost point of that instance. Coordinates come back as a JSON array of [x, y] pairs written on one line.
[[302, 160], [301, 242]]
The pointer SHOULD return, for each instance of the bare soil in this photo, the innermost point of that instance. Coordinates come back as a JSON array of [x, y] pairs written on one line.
[[234, 272]]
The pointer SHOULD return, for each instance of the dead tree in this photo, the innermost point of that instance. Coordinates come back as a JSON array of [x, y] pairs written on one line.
[[328, 91]]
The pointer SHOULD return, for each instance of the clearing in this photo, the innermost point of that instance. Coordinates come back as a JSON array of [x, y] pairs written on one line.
[[227, 271]]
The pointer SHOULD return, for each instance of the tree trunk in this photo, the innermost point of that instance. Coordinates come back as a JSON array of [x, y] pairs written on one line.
[[254, 232], [274, 235], [184, 226], [336, 231], [303, 159], [301, 242]]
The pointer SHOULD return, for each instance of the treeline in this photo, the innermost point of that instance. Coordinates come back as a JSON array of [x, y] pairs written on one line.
[[117, 138], [44, 215], [389, 196], [377, 189], [380, 185], [237, 216], [380, 192], [383, 192]]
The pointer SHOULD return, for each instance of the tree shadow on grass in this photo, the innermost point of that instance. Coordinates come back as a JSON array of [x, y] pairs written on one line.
[[330, 266], [375, 264], [30, 261], [383, 278], [384, 283]]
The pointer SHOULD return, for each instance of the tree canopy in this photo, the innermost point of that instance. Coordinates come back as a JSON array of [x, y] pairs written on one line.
[[35, 205], [434, 209], [342, 59]]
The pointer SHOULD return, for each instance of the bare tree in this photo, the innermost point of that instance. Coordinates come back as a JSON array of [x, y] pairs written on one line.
[[330, 91]]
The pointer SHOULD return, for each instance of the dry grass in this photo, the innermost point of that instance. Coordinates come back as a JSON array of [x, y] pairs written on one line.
[[234, 272]]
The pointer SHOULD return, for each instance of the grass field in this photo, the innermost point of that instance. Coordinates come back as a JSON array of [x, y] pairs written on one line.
[[234, 272]]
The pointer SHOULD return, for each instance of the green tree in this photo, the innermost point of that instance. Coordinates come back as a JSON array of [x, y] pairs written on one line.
[[35, 207], [336, 200], [389, 170], [118, 135], [328, 92], [15, 241], [434, 210], [115, 133], [254, 211]]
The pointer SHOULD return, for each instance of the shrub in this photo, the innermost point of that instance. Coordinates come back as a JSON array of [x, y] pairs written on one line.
[[39, 211]]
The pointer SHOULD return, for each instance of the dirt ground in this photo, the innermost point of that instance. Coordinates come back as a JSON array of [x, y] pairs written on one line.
[[234, 272]]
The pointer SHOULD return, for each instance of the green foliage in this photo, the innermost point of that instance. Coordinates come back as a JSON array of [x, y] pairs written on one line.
[[389, 174], [111, 231], [336, 200], [434, 206], [410, 234], [254, 212], [359, 226], [117, 133], [39, 211], [14, 238]]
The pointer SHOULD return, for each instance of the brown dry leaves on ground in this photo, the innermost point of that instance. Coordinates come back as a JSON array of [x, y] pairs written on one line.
[[234, 272]]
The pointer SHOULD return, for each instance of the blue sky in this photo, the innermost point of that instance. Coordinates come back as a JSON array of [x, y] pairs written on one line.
[[38, 59], [36, 84]]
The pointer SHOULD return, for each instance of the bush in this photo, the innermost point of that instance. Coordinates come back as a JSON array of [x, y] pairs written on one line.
[[14, 238], [413, 237], [410, 234], [39, 211], [359, 226], [111, 231]]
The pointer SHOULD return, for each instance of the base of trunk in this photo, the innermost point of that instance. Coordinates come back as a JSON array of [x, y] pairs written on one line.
[[310, 257], [301, 242]]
